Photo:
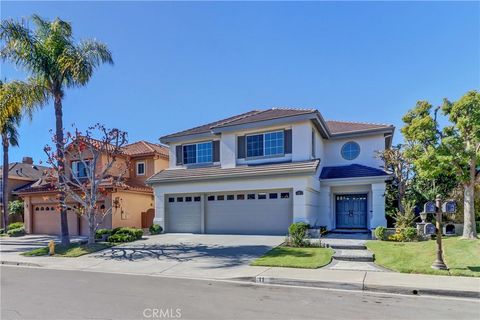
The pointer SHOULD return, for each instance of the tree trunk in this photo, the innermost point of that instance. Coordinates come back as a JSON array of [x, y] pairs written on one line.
[[61, 169], [91, 226], [469, 227], [5, 144]]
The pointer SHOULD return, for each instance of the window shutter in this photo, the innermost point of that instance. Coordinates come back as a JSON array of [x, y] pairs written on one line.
[[216, 151], [241, 147], [179, 155], [288, 141]]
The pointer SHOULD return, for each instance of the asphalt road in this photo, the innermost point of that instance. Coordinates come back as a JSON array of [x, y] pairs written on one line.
[[33, 293]]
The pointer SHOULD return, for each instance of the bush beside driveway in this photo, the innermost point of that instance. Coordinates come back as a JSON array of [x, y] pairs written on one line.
[[461, 256]]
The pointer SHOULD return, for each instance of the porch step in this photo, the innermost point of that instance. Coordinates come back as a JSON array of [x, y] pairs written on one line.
[[353, 255], [347, 246], [350, 231]]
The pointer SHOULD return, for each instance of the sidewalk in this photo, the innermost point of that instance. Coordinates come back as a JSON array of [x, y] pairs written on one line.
[[390, 282]]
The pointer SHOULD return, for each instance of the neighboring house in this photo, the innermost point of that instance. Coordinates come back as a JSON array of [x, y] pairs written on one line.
[[257, 172], [20, 175], [131, 200]]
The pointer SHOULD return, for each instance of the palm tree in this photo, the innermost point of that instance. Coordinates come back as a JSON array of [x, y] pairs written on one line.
[[55, 61], [16, 99]]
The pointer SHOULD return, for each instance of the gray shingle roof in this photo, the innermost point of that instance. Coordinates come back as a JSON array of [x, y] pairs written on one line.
[[25, 171], [247, 117], [339, 127], [351, 171], [216, 172], [334, 127]]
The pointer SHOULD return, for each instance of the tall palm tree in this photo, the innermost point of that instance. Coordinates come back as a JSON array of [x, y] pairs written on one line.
[[16, 99], [56, 61]]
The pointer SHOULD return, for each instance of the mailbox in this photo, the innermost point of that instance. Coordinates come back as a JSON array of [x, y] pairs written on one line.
[[430, 207], [449, 207], [429, 229]]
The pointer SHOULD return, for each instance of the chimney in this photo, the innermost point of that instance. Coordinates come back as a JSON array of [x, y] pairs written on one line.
[[27, 160]]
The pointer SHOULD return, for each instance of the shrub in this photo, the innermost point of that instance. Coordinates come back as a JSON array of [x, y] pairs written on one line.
[[298, 231], [18, 232], [15, 207], [478, 226], [155, 229], [380, 233], [2, 231], [121, 237], [134, 232], [15, 225], [99, 234], [410, 234], [405, 219]]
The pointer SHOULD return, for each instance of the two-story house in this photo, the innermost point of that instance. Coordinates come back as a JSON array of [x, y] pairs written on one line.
[[257, 172], [129, 203], [20, 175]]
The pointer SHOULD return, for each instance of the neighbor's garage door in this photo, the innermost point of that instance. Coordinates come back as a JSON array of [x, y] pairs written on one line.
[[46, 220], [268, 212], [183, 213]]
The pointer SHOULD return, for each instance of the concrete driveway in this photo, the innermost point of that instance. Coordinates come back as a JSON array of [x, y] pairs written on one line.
[[192, 255]]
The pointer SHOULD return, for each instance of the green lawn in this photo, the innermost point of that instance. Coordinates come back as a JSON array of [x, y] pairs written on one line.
[[461, 256], [74, 250], [310, 258]]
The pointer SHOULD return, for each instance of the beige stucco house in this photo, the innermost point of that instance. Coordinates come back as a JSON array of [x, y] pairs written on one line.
[[131, 201]]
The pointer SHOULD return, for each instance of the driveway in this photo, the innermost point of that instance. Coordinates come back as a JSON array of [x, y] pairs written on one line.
[[173, 255], [189, 255]]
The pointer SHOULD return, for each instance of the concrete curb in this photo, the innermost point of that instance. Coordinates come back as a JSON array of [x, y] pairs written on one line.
[[407, 290]]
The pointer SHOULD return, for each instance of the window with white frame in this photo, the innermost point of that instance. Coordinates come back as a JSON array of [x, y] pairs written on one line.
[[266, 144], [80, 169], [140, 168], [198, 153]]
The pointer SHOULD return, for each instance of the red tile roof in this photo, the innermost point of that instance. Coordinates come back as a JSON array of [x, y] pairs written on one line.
[[144, 148]]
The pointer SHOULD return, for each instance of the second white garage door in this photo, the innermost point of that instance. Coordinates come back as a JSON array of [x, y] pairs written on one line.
[[264, 213]]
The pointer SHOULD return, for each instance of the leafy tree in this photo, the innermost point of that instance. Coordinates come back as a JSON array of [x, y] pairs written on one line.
[[15, 207], [56, 62], [454, 149], [16, 99]]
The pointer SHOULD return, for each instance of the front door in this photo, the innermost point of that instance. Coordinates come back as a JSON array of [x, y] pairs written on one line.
[[351, 211]]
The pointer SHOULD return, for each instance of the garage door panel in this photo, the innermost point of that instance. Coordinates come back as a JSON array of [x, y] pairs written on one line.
[[249, 216], [183, 215]]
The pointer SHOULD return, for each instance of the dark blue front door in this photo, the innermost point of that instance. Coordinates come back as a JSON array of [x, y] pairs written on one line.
[[351, 211]]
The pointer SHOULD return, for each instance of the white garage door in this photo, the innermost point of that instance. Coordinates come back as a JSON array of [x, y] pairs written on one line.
[[266, 212], [183, 213]]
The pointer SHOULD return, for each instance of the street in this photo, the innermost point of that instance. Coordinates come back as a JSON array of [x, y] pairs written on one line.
[[34, 293]]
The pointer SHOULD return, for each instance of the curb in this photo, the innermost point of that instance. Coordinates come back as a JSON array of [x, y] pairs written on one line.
[[367, 288], [19, 264]]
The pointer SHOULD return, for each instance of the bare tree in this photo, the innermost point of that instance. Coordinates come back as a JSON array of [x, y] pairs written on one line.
[[99, 163]]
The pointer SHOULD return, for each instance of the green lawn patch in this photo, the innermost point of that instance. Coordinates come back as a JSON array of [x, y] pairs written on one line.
[[74, 250], [461, 256], [310, 258]]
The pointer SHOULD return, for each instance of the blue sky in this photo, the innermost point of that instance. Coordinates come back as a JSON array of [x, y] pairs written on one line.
[[181, 64]]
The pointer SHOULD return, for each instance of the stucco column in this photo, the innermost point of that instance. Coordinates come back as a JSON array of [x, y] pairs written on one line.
[[299, 207], [27, 215], [378, 205], [228, 146], [159, 208], [325, 214]]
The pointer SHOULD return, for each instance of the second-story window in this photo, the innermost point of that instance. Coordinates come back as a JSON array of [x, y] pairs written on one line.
[[265, 144], [79, 168], [140, 168], [198, 153]]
